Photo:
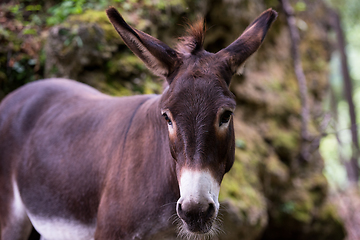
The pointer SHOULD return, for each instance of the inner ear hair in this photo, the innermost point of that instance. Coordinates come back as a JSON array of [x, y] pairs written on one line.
[[157, 56], [251, 39]]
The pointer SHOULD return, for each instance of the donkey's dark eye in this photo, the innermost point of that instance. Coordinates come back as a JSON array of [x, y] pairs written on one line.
[[167, 118], [225, 117]]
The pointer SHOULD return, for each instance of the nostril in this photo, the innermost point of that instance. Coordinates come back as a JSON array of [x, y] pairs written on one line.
[[180, 211], [179, 208], [192, 212], [210, 211]]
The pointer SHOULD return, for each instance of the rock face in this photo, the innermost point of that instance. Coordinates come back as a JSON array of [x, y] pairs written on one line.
[[269, 194]]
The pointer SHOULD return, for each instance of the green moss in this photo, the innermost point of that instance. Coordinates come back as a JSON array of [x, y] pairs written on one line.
[[298, 205], [327, 224], [115, 89], [271, 3], [233, 182], [277, 171], [248, 141], [241, 187], [284, 140], [275, 85], [303, 212], [328, 211], [151, 87], [242, 176], [317, 187], [125, 64], [96, 17], [90, 16]]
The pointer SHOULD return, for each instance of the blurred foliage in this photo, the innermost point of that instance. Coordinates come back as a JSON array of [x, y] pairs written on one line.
[[24, 26], [59, 12], [349, 11]]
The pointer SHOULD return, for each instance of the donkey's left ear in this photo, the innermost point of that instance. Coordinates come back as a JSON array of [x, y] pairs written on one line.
[[157, 56], [243, 47]]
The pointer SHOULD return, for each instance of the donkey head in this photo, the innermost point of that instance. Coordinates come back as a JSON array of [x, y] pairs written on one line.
[[197, 107]]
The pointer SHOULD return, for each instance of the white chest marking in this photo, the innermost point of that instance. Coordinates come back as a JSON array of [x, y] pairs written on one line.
[[19, 211], [62, 229], [53, 228]]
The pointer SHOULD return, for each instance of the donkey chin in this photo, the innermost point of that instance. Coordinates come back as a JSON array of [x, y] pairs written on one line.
[[198, 206], [198, 227]]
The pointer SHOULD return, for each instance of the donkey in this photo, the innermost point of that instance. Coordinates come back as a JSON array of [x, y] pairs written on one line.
[[78, 164]]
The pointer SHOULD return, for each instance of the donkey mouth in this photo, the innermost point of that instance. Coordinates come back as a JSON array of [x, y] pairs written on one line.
[[197, 223], [199, 228]]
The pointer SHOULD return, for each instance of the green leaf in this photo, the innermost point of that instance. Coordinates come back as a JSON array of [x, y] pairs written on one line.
[[29, 31], [239, 143], [15, 9], [300, 6], [33, 8]]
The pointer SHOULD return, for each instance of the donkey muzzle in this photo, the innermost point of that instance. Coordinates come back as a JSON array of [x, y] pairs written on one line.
[[198, 205], [197, 216]]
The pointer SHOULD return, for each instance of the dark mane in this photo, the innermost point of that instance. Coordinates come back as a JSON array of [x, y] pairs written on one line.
[[194, 40]]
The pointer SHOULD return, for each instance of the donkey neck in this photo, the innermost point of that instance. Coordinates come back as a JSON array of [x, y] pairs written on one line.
[[142, 175], [146, 141]]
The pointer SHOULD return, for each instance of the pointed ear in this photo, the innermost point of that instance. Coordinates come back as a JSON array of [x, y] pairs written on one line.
[[157, 56], [243, 47]]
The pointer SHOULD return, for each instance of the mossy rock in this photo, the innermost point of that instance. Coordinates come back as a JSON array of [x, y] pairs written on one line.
[[244, 209], [100, 18]]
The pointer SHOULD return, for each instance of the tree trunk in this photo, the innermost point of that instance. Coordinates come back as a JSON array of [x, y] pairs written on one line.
[[353, 166]]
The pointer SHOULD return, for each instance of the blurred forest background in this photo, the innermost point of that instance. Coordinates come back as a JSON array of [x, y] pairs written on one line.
[[298, 101]]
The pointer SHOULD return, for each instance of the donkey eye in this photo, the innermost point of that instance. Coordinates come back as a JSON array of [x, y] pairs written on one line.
[[167, 119], [225, 117]]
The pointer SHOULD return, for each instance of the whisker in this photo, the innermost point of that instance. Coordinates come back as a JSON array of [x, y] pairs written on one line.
[[174, 219], [167, 204], [223, 207], [218, 226], [214, 231]]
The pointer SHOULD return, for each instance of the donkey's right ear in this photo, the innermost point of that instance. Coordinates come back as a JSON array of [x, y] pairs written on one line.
[[249, 41], [157, 56]]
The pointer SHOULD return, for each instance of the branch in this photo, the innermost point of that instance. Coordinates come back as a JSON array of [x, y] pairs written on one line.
[[295, 40]]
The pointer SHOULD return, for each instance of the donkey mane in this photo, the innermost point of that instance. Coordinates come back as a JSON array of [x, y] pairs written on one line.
[[193, 42]]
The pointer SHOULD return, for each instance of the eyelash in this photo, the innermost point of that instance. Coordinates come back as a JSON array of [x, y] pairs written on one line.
[[168, 120], [225, 117]]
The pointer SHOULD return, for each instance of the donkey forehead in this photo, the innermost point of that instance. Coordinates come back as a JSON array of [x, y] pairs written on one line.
[[195, 92], [205, 64]]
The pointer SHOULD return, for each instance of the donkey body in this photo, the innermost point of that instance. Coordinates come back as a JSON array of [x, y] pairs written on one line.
[[78, 164]]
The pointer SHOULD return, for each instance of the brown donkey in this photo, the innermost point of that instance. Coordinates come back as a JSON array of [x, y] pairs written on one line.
[[78, 164]]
